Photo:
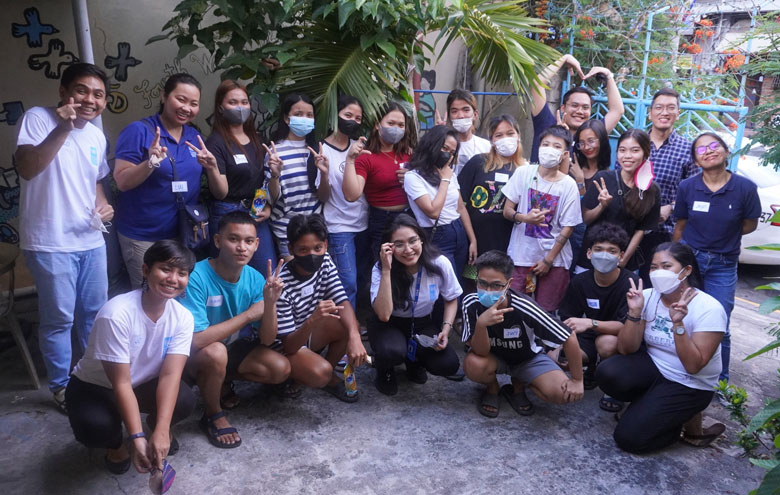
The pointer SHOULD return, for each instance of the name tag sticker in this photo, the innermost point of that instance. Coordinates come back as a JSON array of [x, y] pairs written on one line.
[[502, 177], [307, 291], [594, 304], [433, 292], [511, 333], [179, 186], [214, 301], [702, 206], [240, 158]]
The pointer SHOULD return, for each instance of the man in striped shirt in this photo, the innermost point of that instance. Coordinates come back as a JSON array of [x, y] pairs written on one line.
[[501, 327], [312, 311]]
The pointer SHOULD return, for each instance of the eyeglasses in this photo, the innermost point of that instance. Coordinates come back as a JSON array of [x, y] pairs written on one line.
[[700, 150], [401, 245], [494, 286], [590, 143], [669, 108]]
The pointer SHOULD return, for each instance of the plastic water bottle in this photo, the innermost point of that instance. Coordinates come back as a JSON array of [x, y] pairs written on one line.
[[349, 381]]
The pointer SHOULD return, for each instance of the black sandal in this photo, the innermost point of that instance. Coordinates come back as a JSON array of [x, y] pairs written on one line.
[[213, 433], [610, 404], [488, 400], [519, 401]]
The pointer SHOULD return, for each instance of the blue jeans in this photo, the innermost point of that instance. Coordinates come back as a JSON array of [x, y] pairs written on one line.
[[72, 287], [719, 274], [343, 247], [266, 249], [452, 242]]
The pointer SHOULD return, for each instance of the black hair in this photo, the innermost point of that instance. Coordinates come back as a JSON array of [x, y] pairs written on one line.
[[605, 149], [300, 225], [578, 89], [400, 278], [283, 131], [407, 144], [172, 82], [683, 254], [346, 100], [83, 69], [426, 153], [461, 94], [635, 205], [498, 261], [559, 132], [170, 251], [666, 92], [608, 232], [495, 161], [238, 216], [712, 135]]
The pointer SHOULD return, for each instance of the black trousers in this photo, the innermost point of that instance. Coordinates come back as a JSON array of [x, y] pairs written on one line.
[[659, 407], [650, 241], [94, 414], [389, 339]]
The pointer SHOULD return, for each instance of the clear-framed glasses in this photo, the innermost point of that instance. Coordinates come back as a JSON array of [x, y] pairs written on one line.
[[401, 245], [668, 108], [700, 150], [491, 286], [590, 143]]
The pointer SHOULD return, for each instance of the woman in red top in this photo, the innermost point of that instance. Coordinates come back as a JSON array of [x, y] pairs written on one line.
[[377, 166]]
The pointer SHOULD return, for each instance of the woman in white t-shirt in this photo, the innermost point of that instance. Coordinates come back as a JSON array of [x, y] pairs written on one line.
[[133, 364], [670, 356], [463, 115], [544, 204], [405, 283], [434, 195]]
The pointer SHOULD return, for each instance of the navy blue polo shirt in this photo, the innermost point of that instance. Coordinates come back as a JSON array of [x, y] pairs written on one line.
[[148, 212], [714, 219]]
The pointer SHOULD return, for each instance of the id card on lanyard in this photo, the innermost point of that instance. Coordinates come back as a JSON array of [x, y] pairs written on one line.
[[411, 344]]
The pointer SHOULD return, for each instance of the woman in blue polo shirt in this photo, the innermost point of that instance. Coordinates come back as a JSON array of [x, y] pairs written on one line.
[[713, 211], [146, 152]]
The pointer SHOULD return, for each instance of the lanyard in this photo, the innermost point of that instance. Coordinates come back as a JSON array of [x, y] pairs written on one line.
[[416, 297]]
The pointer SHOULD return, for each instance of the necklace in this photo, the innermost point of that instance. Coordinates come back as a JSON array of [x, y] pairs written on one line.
[[392, 156]]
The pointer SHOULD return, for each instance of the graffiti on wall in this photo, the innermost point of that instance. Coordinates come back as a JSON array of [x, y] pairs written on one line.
[[426, 104], [53, 61], [33, 29], [121, 62], [12, 111], [151, 92], [116, 101]]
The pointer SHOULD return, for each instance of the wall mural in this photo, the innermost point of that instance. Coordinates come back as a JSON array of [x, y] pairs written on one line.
[[121, 62], [53, 61], [33, 29], [12, 111]]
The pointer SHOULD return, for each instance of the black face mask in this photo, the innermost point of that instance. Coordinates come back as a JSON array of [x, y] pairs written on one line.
[[442, 159], [349, 128], [309, 263]]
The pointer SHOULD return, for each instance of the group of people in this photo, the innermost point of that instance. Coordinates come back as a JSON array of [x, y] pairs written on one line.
[[545, 265]]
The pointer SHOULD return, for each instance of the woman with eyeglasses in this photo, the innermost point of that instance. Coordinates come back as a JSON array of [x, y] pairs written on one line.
[[406, 282], [669, 356], [713, 211]]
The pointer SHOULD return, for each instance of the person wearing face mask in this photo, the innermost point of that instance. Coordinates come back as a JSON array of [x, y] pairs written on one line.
[[434, 196], [501, 327], [543, 203], [239, 153], [312, 312], [463, 114], [626, 197], [669, 356], [595, 307], [292, 164], [375, 169]]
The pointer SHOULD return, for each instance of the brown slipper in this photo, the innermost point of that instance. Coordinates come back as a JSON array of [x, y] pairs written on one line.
[[708, 435]]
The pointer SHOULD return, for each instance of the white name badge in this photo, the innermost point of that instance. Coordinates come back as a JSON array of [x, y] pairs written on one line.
[[502, 177], [240, 158], [511, 333], [308, 290], [214, 301], [179, 186], [702, 206], [594, 303]]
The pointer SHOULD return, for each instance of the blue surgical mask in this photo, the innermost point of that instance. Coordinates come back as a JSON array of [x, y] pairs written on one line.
[[301, 126], [488, 298]]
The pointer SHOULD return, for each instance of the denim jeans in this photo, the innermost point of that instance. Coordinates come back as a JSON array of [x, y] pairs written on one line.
[[719, 274], [343, 248], [72, 287], [266, 250], [452, 242], [377, 221]]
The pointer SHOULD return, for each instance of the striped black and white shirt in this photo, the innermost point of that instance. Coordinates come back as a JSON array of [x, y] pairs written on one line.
[[514, 339], [300, 297]]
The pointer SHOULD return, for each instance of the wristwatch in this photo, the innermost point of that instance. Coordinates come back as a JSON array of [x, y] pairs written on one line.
[[594, 324], [679, 329]]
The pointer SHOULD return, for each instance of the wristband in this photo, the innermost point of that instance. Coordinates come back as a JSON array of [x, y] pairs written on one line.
[[513, 217], [580, 185], [140, 434], [633, 318], [445, 323], [548, 263], [446, 180], [274, 176]]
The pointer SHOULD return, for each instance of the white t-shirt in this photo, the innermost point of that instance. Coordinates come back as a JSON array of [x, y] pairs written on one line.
[[341, 215], [56, 206], [474, 146], [705, 314], [124, 334], [431, 286], [530, 243], [415, 187]]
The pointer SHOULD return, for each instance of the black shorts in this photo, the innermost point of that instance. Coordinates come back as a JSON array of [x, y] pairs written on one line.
[[587, 341], [237, 352]]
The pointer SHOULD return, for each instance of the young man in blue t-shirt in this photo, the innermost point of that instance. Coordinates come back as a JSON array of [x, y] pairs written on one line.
[[226, 298]]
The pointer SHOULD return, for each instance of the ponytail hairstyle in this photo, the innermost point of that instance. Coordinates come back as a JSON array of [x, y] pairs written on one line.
[[221, 126], [683, 254], [173, 82], [635, 205]]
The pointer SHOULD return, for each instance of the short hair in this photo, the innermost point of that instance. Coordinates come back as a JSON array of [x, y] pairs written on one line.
[[578, 89], [498, 261], [170, 251], [557, 131], [666, 92], [461, 94], [301, 225], [608, 232], [237, 216], [83, 69]]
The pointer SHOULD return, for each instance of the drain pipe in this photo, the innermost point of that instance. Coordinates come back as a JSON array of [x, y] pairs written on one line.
[[84, 39]]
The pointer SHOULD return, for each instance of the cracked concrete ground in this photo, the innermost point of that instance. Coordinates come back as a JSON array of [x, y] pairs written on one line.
[[427, 439]]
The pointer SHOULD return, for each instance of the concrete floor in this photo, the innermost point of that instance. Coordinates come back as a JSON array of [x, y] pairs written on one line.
[[427, 439]]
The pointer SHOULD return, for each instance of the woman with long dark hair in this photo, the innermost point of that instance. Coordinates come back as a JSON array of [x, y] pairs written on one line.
[[669, 358], [406, 282]]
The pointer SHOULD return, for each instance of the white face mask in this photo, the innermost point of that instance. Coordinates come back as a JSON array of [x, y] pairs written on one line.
[[506, 146], [666, 281], [549, 157], [462, 125]]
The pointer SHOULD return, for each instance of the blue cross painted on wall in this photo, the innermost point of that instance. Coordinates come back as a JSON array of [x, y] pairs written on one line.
[[121, 62]]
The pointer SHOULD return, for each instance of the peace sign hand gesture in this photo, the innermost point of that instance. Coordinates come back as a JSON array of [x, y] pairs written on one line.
[[560, 116], [634, 297], [493, 315], [68, 114], [273, 284], [358, 148], [157, 153], [604, 196], [203, 155], [274, 162], [320, 160], [679, 310], [439, 120]]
